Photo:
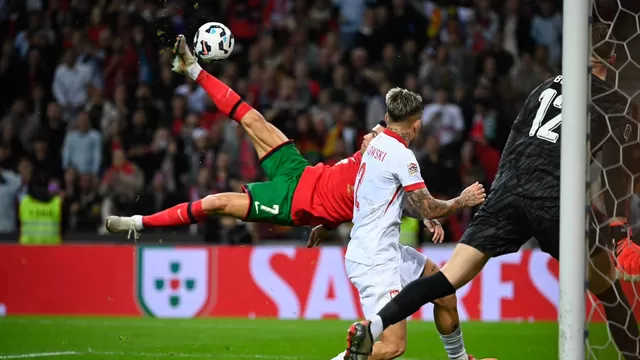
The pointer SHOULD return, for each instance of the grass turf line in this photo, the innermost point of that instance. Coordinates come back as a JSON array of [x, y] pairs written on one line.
[[242, 339]]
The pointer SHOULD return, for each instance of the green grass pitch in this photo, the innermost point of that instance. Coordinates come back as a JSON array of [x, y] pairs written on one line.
[[74, 338]]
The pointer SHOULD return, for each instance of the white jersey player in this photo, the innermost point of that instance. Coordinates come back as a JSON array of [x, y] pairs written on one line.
[[376, 263]]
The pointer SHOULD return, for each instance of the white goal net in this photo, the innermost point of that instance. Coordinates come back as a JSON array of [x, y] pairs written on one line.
[[610, 319]]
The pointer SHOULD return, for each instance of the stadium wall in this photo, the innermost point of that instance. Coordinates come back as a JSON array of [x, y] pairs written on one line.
[[269, 281]]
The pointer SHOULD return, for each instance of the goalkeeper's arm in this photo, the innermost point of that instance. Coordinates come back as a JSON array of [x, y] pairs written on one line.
[[620, 163]]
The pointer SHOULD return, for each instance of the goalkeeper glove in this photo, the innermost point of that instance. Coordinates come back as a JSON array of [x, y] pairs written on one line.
[[627, 253]]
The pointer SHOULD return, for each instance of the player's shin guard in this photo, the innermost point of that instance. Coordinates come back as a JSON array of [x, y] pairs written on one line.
[[225, 99], [413, 296], [179, 215], [622, 323]]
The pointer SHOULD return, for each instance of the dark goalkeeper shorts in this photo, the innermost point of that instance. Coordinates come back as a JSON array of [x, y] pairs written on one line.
[[270, 201], [506, 221]]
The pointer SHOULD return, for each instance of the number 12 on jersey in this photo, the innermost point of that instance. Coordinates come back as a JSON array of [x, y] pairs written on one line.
[[545, 131]]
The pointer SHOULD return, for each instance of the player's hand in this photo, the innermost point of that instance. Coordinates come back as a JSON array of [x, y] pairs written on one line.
[[627, 261], [473, 195], [435, 227], [318, 234]]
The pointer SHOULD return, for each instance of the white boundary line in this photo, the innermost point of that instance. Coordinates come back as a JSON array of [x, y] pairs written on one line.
[[152, 323], [200, 356], [159, 355], [38, 355]]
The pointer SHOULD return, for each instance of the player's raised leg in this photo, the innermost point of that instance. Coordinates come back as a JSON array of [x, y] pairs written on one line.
[[229, 204], [265, 136]]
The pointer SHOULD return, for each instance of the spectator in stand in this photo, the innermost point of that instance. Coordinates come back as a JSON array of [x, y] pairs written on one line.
[[487, 21], [121, 184], [45, 164], [242, 152], [55, 130], [376, 107], [15, 124], [137, 141], [70, 83], [101, 111], [194, 94], [351, 14], [157, 196], [202, 187], [82, 149], [306, 140], [443, 119], [546, 29], [10, 184], [439, 169], [436, 71], [515, 29], [83, 206]]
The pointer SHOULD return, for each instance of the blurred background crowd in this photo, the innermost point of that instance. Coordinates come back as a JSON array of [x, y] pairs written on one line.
[[93, 113]]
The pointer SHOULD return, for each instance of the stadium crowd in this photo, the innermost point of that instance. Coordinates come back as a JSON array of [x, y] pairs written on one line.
[[91, 107]]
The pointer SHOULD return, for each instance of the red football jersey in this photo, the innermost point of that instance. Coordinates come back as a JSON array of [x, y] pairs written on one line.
[[325, 193]]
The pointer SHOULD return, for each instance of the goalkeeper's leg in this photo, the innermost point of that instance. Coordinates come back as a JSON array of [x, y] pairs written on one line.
[[265, 136], [445, 316], [620, 318]]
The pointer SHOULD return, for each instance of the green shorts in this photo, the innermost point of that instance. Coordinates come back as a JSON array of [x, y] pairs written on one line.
[[270, 201]]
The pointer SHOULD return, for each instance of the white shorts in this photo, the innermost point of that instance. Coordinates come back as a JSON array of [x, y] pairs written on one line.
[[378, 283]]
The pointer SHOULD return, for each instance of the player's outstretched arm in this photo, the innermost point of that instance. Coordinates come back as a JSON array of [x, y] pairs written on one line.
[[431, 208], [433, 226]]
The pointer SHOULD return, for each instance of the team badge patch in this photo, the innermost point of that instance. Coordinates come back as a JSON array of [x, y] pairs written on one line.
[[413, 169], [393, 293]]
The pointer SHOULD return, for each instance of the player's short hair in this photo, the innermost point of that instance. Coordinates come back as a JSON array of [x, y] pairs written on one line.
[[383, 123], [602, 42], [403, 105]]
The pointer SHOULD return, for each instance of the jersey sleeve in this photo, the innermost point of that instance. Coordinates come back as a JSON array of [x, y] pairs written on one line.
[[357, 156], [408, 172], [619, 165]]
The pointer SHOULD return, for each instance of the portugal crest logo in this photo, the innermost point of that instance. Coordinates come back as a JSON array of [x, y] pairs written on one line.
[[173, 282]]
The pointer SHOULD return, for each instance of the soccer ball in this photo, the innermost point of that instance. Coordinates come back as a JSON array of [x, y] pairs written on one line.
[[213, 41]]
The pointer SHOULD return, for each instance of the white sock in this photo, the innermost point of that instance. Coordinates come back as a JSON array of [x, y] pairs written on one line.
[[194, 70], [137, 219], [454, 345], [376, 327], [340, 356]]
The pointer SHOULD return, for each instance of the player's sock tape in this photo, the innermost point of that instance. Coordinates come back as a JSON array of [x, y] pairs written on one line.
[[239, 110], [190, 214], [234, 108]]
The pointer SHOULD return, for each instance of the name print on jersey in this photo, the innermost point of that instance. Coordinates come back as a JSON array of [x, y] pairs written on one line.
[[376, 153]]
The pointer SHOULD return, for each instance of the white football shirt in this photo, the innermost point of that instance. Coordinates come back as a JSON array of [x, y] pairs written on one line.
[[388, 170]]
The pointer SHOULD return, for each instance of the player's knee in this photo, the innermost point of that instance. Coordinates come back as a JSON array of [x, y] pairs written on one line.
[[212, 204], [448, 302]]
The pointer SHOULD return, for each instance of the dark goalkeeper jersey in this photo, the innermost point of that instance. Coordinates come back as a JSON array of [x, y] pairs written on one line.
[[530, 163]]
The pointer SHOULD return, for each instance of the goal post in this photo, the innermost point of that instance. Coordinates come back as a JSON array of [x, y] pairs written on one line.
[[573, 178]]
